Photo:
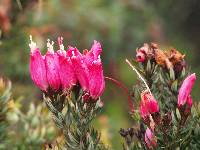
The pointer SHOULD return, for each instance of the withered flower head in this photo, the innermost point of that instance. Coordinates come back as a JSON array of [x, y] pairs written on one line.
[[145, 52], [162, 59], [175, 56]]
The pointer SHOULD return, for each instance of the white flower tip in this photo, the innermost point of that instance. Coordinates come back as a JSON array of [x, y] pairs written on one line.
[[60, 43], [32, 45], [194, 74], [62, 47], [50, 45], [31, 38], [73, 54]]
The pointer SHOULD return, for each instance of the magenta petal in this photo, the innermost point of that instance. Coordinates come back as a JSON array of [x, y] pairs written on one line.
[[148, 104], [96, 80], [81, 72], [143, 111], [66, 72], [73, 52], [93, 54], [96, 77], [80, 68], [96, 49], [189, 101], [52, 66], [186, 89], [38, 69], [153, 106]]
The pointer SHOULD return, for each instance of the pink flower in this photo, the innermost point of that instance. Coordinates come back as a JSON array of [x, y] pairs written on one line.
[[52, 68], [141, 53], [66, 71], [150, 138], [80, 67], [96, 82], [148, 105], [185, 90], [143, 110], [88, 70], [140, 56], [95, 71], [37, 67]]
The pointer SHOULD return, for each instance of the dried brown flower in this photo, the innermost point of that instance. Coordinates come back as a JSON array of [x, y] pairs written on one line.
[[175, 56], [162, 59]]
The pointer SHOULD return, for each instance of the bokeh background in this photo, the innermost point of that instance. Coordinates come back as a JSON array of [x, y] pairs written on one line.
[[120, 25]]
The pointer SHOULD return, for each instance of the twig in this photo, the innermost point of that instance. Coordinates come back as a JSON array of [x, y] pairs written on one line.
[[139, 75]]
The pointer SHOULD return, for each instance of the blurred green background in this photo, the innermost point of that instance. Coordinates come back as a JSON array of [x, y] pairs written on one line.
[[120, 25]]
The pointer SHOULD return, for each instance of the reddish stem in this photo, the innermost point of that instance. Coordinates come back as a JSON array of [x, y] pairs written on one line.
[[130, 103]]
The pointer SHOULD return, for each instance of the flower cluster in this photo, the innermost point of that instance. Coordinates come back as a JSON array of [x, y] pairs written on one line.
[[61, 70]]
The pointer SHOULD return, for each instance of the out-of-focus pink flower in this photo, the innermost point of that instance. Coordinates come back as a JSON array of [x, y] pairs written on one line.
[[150, 138], [52, 67], [141, 53], [140, 56], [37, 67], [66, 71], [148, 105], [95, 70], [185, 90]]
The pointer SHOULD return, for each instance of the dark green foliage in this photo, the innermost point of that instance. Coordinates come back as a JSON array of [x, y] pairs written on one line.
[[74, 119]]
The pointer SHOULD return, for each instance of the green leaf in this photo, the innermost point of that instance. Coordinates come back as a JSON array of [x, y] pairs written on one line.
[[174, 86], [171, 74], [148, 68]]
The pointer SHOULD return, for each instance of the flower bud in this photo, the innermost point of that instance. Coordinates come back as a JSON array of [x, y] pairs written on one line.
[[95, 69], [37, 67], [66, 71], [148, 104], [52, 68], [80, 67], [185, 90], [96, 83]]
